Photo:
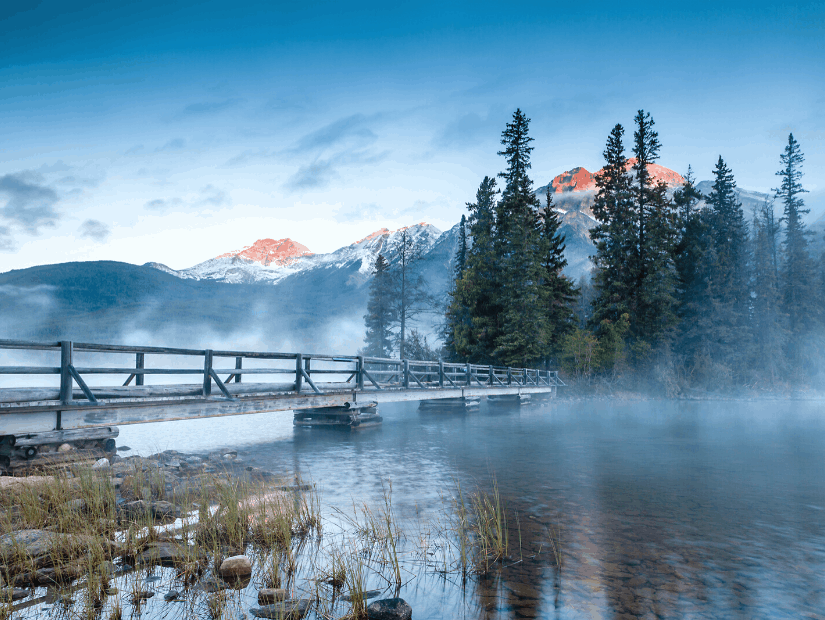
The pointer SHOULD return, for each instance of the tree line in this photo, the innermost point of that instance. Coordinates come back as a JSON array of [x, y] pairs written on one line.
[[685, 291]]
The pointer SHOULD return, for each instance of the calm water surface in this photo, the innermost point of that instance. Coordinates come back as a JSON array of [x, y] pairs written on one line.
[[665, 509]]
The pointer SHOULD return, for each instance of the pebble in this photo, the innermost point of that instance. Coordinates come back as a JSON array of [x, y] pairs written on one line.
[[267, 596], [142, 595], [172, 595]]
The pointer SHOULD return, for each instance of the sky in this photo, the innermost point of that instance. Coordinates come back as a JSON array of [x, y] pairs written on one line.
[[176, 131]]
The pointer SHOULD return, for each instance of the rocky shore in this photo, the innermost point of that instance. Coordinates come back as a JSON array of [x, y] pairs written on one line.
[[158, 531]]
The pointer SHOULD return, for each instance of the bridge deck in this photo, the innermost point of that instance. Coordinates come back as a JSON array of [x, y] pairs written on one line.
[[349, 380]]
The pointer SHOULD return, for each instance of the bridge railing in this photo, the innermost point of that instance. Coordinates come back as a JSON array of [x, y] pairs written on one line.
[[303, 372]]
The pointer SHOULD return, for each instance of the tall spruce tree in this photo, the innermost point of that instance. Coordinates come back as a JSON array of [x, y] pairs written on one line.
[[410, 288], [380, 311], [798, 294], [474, 311], [561, 292], [656, 226], [769, 326], [615, 236], [457, 314], [520, 249], [694, 259], [731, 291]]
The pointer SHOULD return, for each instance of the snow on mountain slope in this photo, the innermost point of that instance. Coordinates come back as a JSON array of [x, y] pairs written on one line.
[[270, 261]]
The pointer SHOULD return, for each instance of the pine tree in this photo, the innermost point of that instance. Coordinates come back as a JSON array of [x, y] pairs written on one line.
[[520, 251], [475, 307], [731, 292], [380, 311], [769, 323], [457, 314], [654, 271], [615, 236], [798, 272], [694, 259], [411, 297], [562, 294]]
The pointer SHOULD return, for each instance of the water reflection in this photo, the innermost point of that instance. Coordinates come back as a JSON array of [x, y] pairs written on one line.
[[665, 509]]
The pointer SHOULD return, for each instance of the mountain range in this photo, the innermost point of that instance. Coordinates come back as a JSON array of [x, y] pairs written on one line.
[[272, 294]]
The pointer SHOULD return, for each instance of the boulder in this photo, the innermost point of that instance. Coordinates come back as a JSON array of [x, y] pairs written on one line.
[[389, 609], [168, 554], [18, 593], [64, 447], [236, 567], [267, 596], [35, 549], [293, 609], [101, 464]]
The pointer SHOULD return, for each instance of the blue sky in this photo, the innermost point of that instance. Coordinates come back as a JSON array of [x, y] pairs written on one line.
[[149, 132]]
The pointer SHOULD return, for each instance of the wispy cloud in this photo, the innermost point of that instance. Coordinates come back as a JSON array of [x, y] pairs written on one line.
[[161, 204], [176, 144], [466, 131], [318, 173], [351, 127], [211, 195], [94, 229], [29, 202]]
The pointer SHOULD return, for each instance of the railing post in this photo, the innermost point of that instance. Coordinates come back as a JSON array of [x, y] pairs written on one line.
[[238, 366], [490, 376], [440, 373], [207, 375], [360, 372], [140, 365], [299, 378], [469, 374], [406, 373], [509, 376], [65, 375]]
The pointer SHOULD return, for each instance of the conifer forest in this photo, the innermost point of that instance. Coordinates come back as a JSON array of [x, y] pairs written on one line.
[[688, 292]]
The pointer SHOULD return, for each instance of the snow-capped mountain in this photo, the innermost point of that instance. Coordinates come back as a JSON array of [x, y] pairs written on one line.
[[270, 261]]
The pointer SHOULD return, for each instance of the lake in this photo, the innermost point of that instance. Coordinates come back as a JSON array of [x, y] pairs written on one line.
[[661, 509]]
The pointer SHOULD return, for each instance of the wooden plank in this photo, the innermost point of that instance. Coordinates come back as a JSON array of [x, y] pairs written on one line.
[[309, 380], [25, 344], [79, 380], [29, 370], [221, 386], [34, 439]]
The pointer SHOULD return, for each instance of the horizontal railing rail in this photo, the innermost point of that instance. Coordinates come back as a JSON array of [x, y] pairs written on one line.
[[362, 373]]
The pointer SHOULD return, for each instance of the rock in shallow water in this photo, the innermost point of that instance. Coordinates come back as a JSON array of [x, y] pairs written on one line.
[[285, 610], [172, 595], [389, 609], [236, 567], [267, 596]]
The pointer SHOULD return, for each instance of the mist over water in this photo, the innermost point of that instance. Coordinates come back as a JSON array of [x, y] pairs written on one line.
[[671, 509]]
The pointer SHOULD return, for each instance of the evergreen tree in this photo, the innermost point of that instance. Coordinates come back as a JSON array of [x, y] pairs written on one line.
[[520, 249], [731, 293], [769, 331], [380, 311], [457, 314], [410, 288], [656, 226], [694, 259], [798, 271], [475, 309], [615, 236], [562, 294]]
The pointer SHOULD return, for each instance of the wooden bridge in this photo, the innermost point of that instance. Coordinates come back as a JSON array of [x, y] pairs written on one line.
[[225, 384]]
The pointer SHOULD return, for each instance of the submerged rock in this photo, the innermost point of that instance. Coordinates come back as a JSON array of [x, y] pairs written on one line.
[[267, 596], [286, 610], [389, 609], [236, 567], [364, 595], [172, 595], [27, 549], [166, 554]]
